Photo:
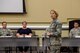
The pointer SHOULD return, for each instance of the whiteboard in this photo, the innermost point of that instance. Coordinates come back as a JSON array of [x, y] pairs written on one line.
[[11, 6]]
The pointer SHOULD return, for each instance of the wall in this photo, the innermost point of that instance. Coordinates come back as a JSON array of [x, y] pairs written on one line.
[[38, 12]]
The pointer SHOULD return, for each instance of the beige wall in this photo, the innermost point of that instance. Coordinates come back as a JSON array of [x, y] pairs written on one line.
[[38, 12]]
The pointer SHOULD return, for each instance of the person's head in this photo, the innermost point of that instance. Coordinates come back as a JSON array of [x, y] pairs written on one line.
[[76, 24], [4, 24], [24, 24], [54, 14]]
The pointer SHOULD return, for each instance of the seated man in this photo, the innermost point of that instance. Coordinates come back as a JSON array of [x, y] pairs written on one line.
[[4, 31], [75, 31], [24, 31]]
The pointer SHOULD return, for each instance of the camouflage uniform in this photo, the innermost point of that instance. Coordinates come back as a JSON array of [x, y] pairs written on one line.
[[55, 39], [74, 32], [5, 32]]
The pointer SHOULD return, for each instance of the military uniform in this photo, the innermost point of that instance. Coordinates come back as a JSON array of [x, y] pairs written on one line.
[[55, 37], [74, 32], [6, 32]]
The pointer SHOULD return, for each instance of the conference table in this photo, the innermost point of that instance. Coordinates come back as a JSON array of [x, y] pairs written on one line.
[[71, 42], [15, 42], [66, 42], [34, 42]]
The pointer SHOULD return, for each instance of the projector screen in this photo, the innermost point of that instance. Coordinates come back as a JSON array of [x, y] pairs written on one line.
[[12, 6]]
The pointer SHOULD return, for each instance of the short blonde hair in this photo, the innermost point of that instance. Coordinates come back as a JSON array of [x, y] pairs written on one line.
[[55, 12], [24, 22]]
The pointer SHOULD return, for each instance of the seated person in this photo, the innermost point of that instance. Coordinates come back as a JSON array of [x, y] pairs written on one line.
[[4, 31], [75, 31], [24, 31]]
